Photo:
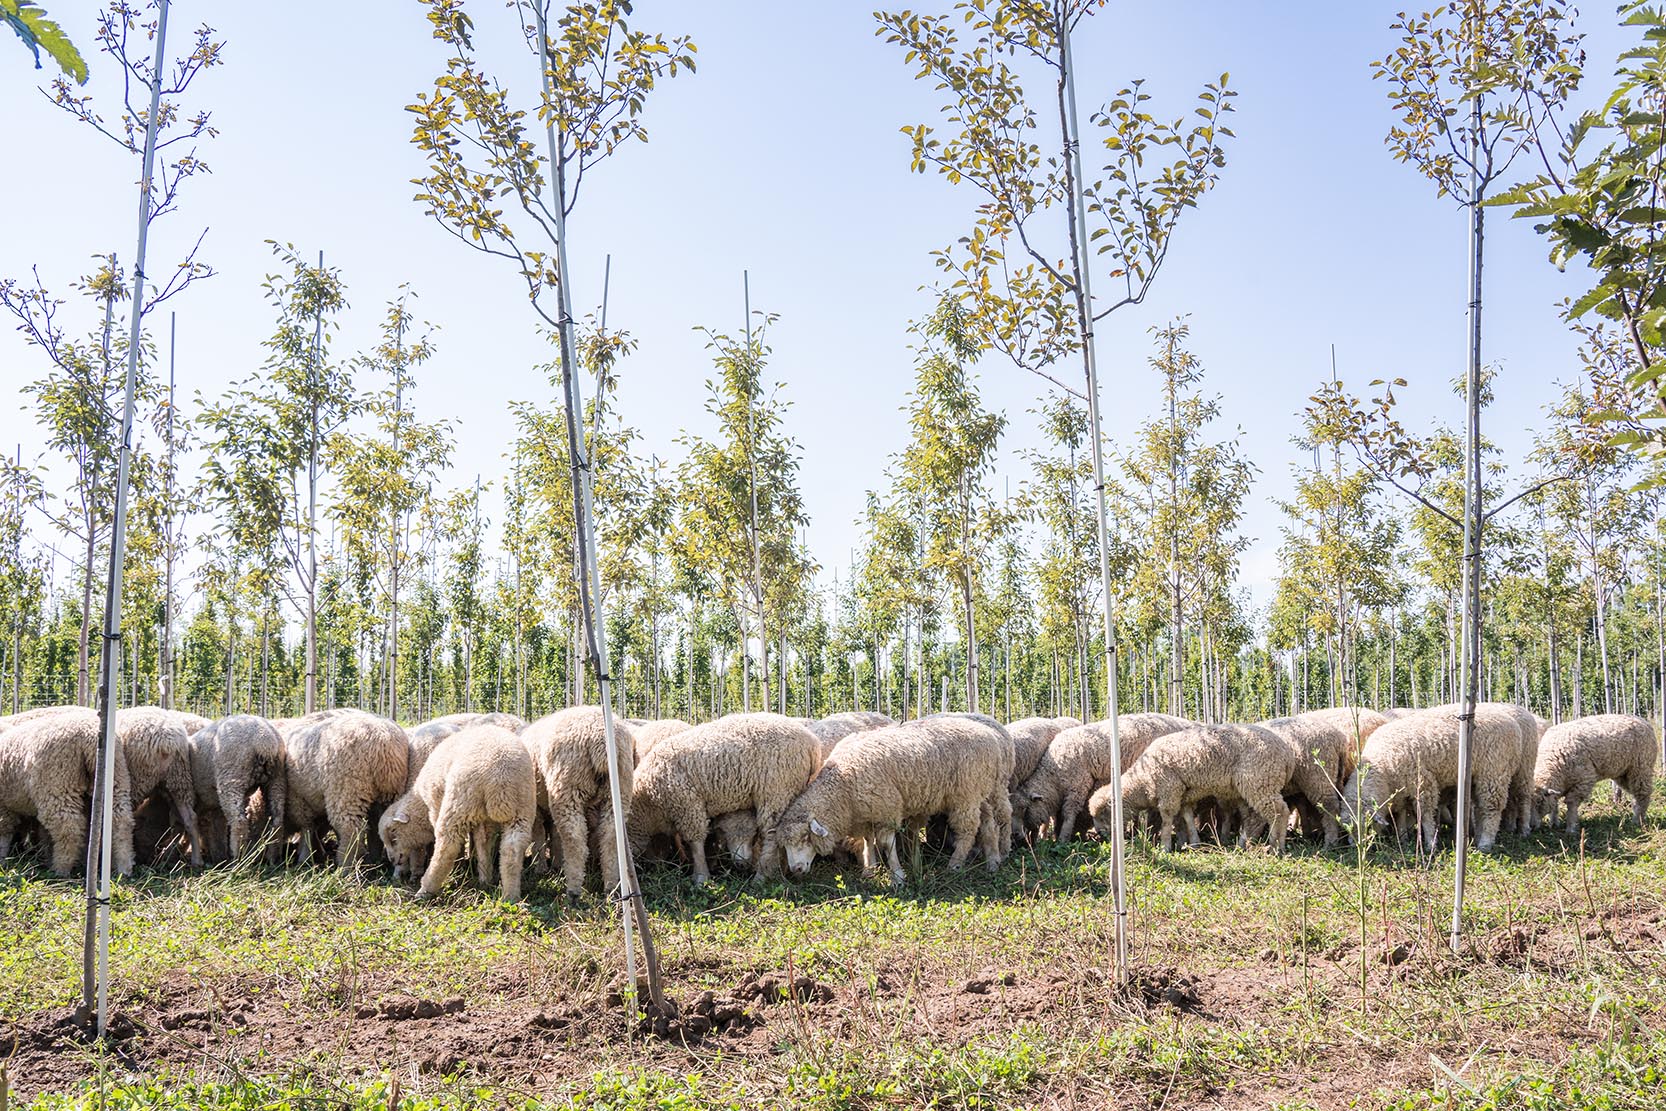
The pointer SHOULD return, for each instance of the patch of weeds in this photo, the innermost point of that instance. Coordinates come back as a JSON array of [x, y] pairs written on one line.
[[1613, 1077]]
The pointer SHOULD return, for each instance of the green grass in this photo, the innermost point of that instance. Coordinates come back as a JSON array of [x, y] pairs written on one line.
[[1558, 999]]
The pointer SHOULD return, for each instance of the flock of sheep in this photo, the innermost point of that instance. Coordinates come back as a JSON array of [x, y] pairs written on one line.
[[776, 791]]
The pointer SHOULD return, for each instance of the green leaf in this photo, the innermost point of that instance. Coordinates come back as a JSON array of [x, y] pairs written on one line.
[[29, 20]]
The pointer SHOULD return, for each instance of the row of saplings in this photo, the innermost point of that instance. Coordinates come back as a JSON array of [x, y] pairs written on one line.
[[775, 789]]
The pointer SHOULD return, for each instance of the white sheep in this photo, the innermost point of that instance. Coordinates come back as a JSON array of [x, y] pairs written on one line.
[[881, 781], [1232, 764], [159, 758], [1575, 756], [569, 751], [1327, 743], [340, 764], [753, 763], [231, 759], [1520, 813], [48, 763], [651, 733], [834, 728], [426, 736], [1077, 762], [479, 781], [1410, 760]]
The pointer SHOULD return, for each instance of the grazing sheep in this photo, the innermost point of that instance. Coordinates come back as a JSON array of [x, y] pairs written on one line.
[[1247, 764], [159, 758], [340, 764], [651, 733], [31, 715], [1077, 762], [880, 780], [191, 722], [1394, 713], [1520, 812], [836, 727], [1030, 738], [503, 719], [1327, 743], [569, 750], [756, 763], [479, 781], [231, 759], [1410, 760], [1575, 756], [426, 736], [999, 810], [47, 767]]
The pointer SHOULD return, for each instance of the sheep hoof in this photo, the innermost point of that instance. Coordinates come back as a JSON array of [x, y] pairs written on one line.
[[899, 878], [424, 896]]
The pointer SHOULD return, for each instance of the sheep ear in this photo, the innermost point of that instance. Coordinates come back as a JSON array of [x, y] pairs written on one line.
[[818, 829]]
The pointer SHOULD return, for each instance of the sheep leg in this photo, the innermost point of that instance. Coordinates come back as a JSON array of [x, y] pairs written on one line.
[[511, 856], [963, 823], [696, 839], [8, 830], [1069, 809], [1188, 815], [1165, 835], [888, 847], [1272, 809], [349, 818], [234, 804], [448, 846], [989, 840], [1428, 807], [573, 833], [537, 840], [483, 855], [66, 827]]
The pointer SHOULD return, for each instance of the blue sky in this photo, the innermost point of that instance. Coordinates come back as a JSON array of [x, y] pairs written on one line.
[[782, 155]]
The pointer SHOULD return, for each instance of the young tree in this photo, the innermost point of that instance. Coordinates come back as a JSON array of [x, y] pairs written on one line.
[[1194, 495], [595, 75], [383, 476], [1594, 508], [1473, 84], [946, 467], [1056, 497], [742, 509], [1041, 307], [274, 429]]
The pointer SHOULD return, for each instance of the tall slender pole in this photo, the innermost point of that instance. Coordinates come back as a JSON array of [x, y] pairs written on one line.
[[633, 913], [104, 797], [1084, 314], [312, 506], [167, 678], [752, 488], [394, 555], [1472, 535]]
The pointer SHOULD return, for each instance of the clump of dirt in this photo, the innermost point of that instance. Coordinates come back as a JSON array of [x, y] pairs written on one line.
[[710, 1013], [983, 985], [403, 1008], [1165, 987], [1511, 948], [769, 987]]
